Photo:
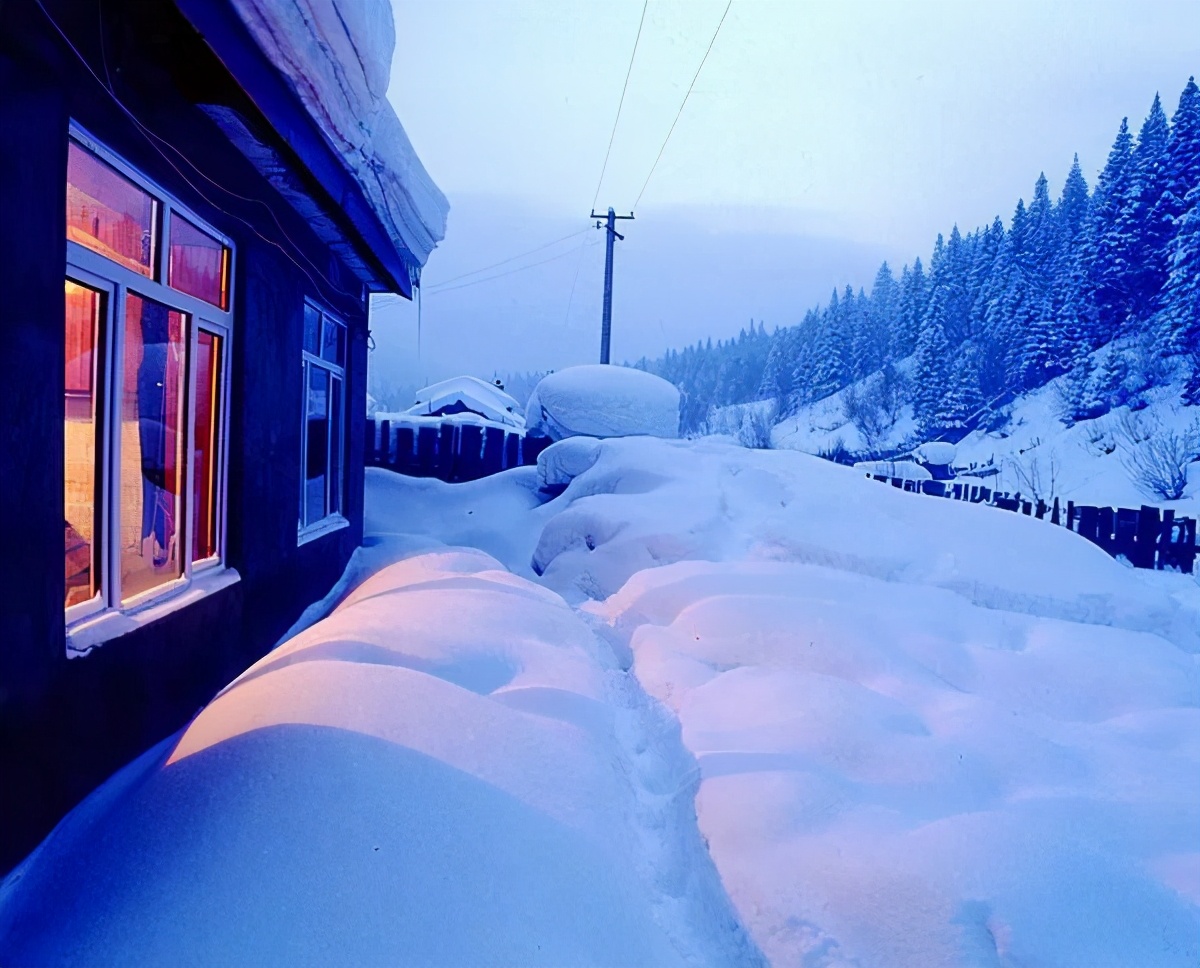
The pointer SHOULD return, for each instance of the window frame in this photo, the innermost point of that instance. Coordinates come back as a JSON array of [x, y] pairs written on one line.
[[89, 268], [335, 519]]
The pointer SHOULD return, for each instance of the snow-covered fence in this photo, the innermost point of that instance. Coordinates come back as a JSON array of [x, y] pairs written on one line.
[[1146, 537], [450, 450]]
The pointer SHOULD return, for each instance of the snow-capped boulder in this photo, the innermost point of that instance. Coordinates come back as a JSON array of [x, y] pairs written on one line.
[[599, 400]]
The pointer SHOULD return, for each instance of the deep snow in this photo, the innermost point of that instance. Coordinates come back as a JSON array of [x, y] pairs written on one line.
[[910, 732]]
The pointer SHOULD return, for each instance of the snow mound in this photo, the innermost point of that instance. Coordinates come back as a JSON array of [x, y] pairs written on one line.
[[894, 777], [603, 401], [443, 772], [337, 56], [938, 452], [564, 460]]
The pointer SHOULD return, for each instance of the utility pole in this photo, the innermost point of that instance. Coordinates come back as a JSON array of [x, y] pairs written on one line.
[[611, 233]]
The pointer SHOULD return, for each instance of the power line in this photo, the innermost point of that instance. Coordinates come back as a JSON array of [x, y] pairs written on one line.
[[501, 275], [620, 103], [502, 262], [683, 104]]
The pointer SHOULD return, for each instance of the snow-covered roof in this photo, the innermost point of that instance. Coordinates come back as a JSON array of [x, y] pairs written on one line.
[[335, 57], [478, 396]]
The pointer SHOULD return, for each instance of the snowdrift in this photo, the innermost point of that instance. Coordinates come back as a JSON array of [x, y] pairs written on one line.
[[707, 702], [443, 772]]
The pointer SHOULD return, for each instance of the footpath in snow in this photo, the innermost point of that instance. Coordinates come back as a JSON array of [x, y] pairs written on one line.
[[909, 732]]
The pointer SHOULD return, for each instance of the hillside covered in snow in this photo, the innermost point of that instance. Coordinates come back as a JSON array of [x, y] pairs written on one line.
[[1071, 333], [708, 705]]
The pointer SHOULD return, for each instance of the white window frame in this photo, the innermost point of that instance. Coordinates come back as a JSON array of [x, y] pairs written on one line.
[[335, 520], [106, 615]]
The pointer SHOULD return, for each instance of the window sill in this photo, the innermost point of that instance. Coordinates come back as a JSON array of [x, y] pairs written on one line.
[[91, 632], [335, 522]]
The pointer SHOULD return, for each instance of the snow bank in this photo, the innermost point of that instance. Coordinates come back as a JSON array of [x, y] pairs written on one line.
[[337, 56], [911, 733], [895, 777], [603, 401], [446, 771]]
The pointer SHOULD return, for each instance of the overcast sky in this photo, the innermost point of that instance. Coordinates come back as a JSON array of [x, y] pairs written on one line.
[[820, 139]]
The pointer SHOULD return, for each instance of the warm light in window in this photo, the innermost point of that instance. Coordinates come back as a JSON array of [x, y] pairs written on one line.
[[198, 264], [152, 445], [108, 213], [83, 312]]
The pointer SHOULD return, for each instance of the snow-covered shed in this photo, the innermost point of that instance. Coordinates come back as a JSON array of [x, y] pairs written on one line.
[[468, 395], [228, 184]]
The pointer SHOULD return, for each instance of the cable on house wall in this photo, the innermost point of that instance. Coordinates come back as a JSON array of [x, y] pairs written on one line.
[[151, 138]]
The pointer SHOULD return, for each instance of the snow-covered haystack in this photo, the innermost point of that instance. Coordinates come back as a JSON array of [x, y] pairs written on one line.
[[603, 401]]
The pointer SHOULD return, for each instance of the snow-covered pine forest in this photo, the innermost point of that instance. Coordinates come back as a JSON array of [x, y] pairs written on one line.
[[1000, 311]]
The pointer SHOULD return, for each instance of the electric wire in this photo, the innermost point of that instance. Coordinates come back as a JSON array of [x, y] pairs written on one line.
[[501, 275], [620, 104], [682, 105], [151, 137], [502, 262]]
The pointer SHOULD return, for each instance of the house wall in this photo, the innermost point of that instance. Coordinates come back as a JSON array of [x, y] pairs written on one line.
[[67, 724]]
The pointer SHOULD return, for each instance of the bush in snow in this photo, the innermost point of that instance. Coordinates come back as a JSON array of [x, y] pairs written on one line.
[[1077, 395], [1156, 458], [1036, 475], [874, 406], [750, 425]]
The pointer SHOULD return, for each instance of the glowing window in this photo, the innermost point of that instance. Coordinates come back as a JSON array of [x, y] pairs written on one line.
[[108, 213], [198, 263]]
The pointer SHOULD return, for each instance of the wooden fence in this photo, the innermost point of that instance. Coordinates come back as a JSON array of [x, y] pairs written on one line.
[[451, 451], [1147, 537]]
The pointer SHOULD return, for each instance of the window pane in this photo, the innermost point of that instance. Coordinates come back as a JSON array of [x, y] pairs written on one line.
[[198, 264], [108, 213], [152, 445], [312, 329], [83, 315], [333, 342], [335, 446], [206, 434], [317, 444]]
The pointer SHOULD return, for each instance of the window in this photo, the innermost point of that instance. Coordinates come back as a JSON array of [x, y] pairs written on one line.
[[322, 443], [147, 335]]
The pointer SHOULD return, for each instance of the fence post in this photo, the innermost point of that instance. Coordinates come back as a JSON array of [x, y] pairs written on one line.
[[371, 449], [384, 453], [1148, 527], [1162, 546]]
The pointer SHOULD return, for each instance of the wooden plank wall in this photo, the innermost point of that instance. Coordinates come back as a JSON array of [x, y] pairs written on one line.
[[451, 451], [1146, 537]]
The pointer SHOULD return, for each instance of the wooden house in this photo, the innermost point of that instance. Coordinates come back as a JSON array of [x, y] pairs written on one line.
[[198, 198]]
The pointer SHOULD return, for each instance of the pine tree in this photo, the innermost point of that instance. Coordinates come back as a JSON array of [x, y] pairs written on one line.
[[1142, 232], [931, 379], [1181, 313], [1106, 249], [964, 401], [1068, 304]]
